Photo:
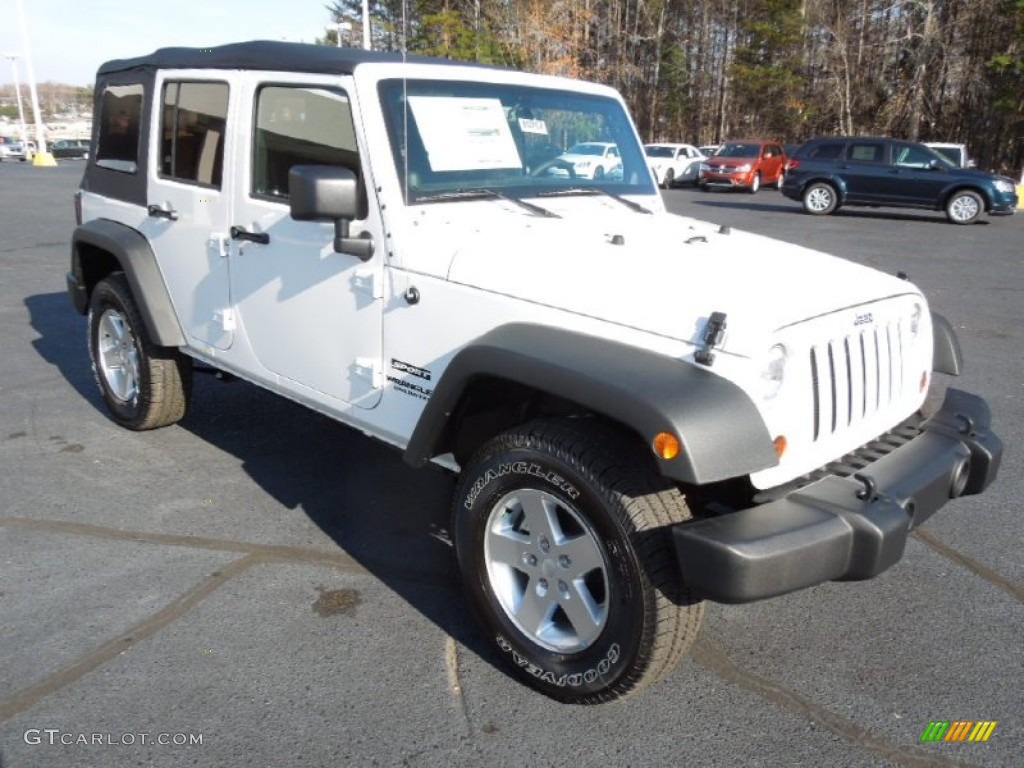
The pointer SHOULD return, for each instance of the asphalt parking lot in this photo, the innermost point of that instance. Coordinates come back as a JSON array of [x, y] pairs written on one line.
[[262, 586]]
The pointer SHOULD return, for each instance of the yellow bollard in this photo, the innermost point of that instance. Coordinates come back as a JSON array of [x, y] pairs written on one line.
[[1020, 196], [44, 160]]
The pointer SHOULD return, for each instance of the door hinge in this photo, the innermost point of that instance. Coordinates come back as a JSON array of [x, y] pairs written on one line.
[[370, 282], [220, 244], [226, 319], [370, 368]]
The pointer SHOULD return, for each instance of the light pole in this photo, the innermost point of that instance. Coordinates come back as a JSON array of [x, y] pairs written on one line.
[[13, 58], [366, 25], [42, 158]]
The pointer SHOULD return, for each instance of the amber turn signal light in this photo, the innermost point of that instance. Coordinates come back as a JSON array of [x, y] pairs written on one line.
[[780, 445], [666, 445]]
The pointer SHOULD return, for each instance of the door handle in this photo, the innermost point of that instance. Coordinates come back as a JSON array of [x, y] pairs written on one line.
[[241, 233], [162, 213]]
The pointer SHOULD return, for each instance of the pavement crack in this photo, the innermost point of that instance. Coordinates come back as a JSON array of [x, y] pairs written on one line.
[[269, 552], [715, 659], [181, 605], [989, 575]]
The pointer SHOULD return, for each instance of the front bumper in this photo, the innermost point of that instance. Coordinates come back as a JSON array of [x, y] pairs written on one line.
[[843, 528], [715, 179]]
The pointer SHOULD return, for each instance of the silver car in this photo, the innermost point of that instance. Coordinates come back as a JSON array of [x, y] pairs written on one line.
[[11, 149]]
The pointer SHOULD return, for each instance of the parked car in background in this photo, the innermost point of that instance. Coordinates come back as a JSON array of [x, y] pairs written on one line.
[[11, 149], [956, 153], [831, 172], [744, 165], [674, 163], [591, 159], [70, 149]]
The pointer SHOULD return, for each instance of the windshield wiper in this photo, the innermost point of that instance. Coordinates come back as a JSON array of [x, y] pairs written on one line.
[[595, 191], [487, 194]]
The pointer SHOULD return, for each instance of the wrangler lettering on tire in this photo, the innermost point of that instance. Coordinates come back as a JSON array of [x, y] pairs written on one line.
[[563, 543]]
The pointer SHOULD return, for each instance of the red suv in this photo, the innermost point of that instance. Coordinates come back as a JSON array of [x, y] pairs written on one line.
[[744, 165]]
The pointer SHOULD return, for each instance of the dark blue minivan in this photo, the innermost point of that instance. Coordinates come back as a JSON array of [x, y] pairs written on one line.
[[830, 172]]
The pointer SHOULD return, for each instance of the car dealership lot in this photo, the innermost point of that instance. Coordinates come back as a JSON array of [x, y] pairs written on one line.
[[282, 587]]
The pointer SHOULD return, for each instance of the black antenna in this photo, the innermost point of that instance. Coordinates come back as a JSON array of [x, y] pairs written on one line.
[[405, 104]]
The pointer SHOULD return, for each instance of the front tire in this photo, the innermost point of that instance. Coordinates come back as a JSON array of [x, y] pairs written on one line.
[[669, 180], [820, 199], [755, 184], [564, 545], [964, 207], [143, 385]]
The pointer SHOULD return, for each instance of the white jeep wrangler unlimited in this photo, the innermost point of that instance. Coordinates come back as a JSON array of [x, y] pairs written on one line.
[[382, 238]]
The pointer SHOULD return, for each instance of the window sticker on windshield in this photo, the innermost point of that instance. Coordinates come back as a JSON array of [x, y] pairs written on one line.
[[464, 134], [529, 125]]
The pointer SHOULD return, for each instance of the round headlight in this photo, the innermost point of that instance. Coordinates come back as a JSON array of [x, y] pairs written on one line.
[[773, 372]]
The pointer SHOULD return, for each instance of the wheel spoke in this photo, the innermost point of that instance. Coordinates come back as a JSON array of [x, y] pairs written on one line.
[[534, 610], [584, 612], [541, 518], [582, 555], [506, 547]]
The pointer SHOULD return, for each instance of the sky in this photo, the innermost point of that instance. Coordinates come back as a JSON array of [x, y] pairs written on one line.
[[69, 39]]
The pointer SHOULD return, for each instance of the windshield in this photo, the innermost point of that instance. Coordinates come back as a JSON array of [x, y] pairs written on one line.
[[586, 149], [513, 139], [655, 151], [739, 150]]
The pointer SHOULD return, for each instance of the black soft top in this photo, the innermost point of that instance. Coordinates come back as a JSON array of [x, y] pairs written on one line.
[[265, 55]]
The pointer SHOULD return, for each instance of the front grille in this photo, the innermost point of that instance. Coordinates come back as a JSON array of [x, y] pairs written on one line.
[[854, 377]]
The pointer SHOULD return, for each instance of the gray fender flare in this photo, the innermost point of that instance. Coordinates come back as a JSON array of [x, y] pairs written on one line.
[[138, 262], [947, 357], [720, 430]]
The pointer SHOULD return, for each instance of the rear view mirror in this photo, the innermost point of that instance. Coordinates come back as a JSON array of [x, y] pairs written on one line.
[[325, 193], [331, 193]]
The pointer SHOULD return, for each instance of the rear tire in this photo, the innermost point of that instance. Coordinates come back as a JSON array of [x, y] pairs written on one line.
[[564, 545], [820, 199], [143, 385]]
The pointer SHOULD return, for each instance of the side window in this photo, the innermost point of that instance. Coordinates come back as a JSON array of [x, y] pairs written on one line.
[[192, 127], [909, 156], [120, 116], [867, 152], [299, 125], [828, 150]]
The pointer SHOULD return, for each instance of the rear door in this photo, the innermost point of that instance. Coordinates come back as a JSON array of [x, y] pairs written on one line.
[[866, 170], [188, 201]]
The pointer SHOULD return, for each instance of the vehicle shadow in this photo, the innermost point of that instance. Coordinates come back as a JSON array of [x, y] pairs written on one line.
[[729, 200], [392, 519]]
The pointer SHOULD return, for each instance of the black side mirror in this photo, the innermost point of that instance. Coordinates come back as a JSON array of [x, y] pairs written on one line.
[[330, 193]]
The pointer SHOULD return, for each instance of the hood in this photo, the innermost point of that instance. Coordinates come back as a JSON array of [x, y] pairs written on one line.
[[730, 162], [661, 273], [974, 174]]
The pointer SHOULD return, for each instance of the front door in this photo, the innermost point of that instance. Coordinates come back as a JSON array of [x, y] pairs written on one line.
[[312, 316], [188, 201]]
